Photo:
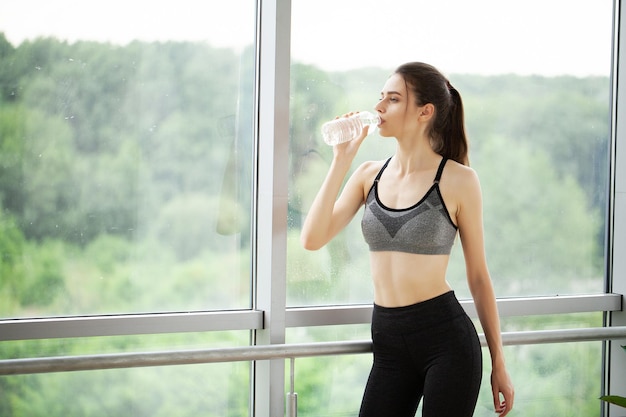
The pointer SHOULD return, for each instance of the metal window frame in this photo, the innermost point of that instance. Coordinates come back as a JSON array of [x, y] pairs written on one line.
[[271, 199], [254, 320], [614, 359]]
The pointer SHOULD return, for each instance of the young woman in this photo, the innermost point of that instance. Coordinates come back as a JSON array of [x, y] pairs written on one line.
[[425, 346]]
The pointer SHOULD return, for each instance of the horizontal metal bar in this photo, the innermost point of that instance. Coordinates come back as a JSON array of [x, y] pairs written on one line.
[[561, 336], [559, 304], [508, 307], [133, 360], [283, 351], [130, 324], [328, 315]]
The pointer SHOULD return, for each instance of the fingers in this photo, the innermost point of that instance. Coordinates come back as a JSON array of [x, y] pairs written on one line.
[[363, 134], [503, 406], [352, 113], [351, 145], [502, 390]]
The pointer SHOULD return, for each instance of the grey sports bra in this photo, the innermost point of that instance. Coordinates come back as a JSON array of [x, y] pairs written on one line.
[[424, 228]]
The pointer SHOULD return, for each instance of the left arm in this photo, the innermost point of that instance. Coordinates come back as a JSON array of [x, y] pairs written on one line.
[[470, 222]]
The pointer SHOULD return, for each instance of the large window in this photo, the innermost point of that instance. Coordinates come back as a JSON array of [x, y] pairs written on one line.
[[125, 157], [126, 152], [537, 108], [144, 174], [537, 105]]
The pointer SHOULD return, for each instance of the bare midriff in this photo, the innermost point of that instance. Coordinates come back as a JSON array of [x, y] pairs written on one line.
[[401, 279]]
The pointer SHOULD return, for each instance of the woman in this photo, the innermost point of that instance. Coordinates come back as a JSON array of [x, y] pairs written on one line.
[[425, 346]]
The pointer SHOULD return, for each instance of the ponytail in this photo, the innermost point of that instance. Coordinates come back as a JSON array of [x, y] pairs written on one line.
[[454, 141], [447, 130]]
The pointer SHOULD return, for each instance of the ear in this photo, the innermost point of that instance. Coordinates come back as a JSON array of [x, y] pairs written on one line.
[[427, 112]]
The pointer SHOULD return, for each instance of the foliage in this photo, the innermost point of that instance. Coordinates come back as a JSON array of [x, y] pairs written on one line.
[[12, 245]]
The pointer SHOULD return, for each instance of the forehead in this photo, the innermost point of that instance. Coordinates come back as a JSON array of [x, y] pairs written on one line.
[[396, 84]]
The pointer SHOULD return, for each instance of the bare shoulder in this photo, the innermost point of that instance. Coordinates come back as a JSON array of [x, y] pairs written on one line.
[[368, 170], [461, 191], [460, 177], [363, 177]]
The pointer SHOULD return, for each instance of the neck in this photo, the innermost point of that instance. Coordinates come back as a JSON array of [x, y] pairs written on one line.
[[415, 155]]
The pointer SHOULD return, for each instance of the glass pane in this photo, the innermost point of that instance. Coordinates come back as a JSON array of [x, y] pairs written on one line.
[[208, 390], [537, 116], [125, 156], [214, 390]]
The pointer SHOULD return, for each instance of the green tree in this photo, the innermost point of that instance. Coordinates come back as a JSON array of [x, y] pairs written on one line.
[[12, 152], [8, 75], [48, 169], [12, 244]]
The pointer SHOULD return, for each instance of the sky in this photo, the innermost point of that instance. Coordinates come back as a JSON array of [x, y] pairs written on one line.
[[547, 37]]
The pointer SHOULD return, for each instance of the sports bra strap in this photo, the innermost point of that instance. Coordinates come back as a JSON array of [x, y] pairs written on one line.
[[440, 170], [437, 177], [381, 170]]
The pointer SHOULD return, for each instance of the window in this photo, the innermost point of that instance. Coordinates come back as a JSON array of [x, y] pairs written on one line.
[[537, 107], [126, 138], [537, 121], [126, 157]]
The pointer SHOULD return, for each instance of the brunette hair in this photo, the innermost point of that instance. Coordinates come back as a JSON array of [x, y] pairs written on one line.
[[447, 129]]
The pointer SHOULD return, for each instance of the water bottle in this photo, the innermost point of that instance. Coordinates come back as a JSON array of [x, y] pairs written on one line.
[[344, 129]]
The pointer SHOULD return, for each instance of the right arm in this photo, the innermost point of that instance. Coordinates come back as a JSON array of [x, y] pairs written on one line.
[[328, 214]]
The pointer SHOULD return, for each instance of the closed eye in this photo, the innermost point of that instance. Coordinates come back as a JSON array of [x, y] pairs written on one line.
[[392, 99]]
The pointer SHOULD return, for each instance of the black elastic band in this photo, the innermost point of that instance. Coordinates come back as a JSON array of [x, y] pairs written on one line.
[[381, 170], [440, 170]]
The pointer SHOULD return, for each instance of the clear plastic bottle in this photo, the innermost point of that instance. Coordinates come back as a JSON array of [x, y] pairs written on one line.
[[344, 129]]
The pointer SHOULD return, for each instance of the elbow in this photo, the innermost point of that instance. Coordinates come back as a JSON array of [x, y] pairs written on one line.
[[308, 243]]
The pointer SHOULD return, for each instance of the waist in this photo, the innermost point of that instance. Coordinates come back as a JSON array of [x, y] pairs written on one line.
[[402, 279], [433, 311]]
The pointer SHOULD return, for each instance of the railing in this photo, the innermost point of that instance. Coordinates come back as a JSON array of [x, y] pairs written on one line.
[[23, 329], [67, 327], [284, 351]]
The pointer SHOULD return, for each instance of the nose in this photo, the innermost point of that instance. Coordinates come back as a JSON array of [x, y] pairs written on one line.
[[379, 107]]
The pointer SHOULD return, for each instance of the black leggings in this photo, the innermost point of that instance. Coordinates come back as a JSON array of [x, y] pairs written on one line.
[[430, 350]]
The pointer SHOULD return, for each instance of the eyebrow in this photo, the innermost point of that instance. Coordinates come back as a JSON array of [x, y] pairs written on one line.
[[391, 92]]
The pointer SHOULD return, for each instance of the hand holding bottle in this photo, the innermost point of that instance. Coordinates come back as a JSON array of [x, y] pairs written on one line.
[[344, 129]]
